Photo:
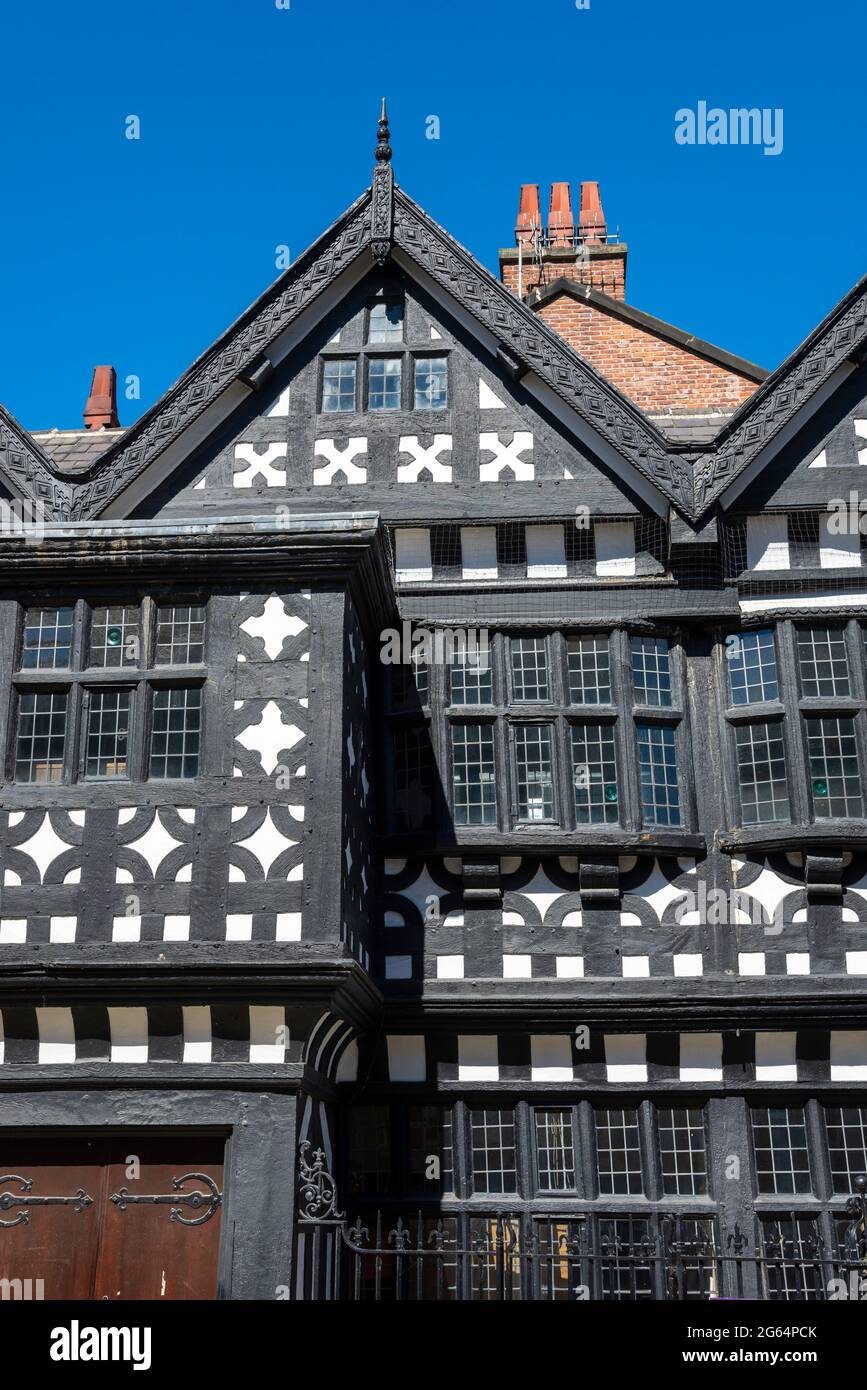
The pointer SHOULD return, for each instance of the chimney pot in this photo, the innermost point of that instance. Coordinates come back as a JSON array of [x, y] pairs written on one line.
[[101, 409], [561, 223], [591, 218], [529, 222]]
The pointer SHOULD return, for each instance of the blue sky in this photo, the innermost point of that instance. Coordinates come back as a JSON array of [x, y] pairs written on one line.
[[258, 126]]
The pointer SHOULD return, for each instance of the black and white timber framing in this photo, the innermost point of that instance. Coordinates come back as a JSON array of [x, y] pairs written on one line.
[[267, 950]]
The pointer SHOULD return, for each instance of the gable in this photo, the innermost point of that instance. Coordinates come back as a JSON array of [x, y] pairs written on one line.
[[313, 439]]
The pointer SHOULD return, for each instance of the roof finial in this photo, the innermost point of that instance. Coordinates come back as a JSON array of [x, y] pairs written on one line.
[[383, 148]]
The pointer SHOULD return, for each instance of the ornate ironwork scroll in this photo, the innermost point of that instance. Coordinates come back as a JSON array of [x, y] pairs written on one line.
[[317, 1188], [8, 1200], [195, 1200]]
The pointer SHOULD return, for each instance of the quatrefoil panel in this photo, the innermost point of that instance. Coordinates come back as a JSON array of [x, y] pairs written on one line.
[[43, 847], [155, 846], [266, 844]]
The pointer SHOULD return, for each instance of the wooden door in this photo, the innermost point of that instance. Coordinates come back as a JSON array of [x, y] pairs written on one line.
[[123, 1217]]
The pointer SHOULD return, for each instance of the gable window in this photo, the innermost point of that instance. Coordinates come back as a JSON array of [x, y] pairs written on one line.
[[384, 383], [339, 384], [798, 743], [91, 698], [385, 324], [431, 383]]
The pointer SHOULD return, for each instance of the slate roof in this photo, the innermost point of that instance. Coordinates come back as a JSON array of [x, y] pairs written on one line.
[[74, 451]]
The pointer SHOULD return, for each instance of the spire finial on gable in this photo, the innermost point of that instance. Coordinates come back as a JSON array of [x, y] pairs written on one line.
[[383, 148], [382, 211]]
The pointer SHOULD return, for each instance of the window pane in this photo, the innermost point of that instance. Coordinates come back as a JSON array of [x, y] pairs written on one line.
[[847, 1144], [657, 755], [386, 323], [761, 754], [115, 637], [535, 778], [413, 778], [651, 670], [752, 664], [822, 661], [492, 1134], [107, 732], [41, 737], [555, 1150], [177, 719], [471, 678], [180, 635], [624, 1245], [529, 669], [384, 383], [473, 777], [369, 1158], [780, 1143], [835, 776], [338, 385], [589, 670], [618, 1153], [47, 639], [430, 1138], [594, 774], [410, 682], [682, 1152], [431, 383]]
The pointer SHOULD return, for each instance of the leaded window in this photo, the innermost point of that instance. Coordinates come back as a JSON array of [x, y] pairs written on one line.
[[792, 1266], [752, 667], [369, 1157], [822, 661], [589, 666], [431, 383], [385, 324], [555, 1150], [534, 772], [431, 1163], [107, 733], [41, 741], [180, 635], [594, 774], [474, 789], [493, 1153], [835, 775], [846, 1128], [761, 753], [780, 1147], [660, 793], [384, 383], [682, 1151], [529, 670], [47, 641], [618, 1153], [176, 732], [412, 777], [115, 637], [651, 671], [471, 678], [339, 384]]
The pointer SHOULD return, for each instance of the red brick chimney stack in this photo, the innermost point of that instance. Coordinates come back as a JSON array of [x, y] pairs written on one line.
[[591, 258], [561, 223], [529, 223], [101, 409]]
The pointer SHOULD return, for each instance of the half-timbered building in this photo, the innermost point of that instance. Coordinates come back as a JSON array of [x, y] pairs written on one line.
[[433, 748]]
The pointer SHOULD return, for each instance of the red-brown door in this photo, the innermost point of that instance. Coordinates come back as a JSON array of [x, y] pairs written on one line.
[[126, 1217]]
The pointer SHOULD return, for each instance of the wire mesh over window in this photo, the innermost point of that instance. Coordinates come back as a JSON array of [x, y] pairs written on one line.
[[493, 1152], [474, 790], [594, 774], [835, 776], [41, 737], [176, 732], [618, 1153], [761, 755], [47, 643], [529, 670], [589, 665], [657, 758], [752, 667], [651, 670], [555, 1150], [107, 733], [780, 1145], [180, 635], [822, 661], [115, 637], [535, 779], [682, 1152]]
